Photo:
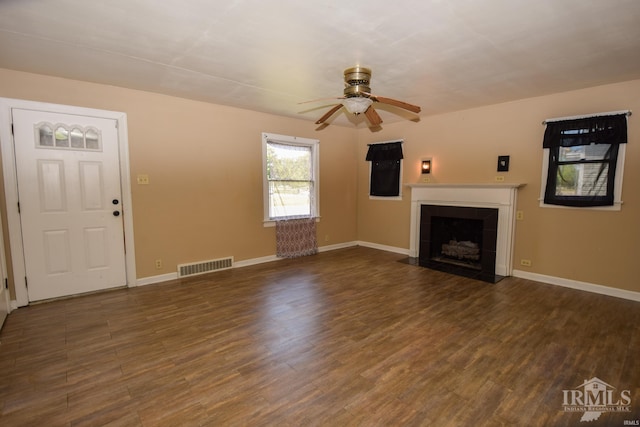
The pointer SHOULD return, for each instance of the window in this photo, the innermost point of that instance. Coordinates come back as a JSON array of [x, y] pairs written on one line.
[[386, 168], [67, 137], [290, 166], [583, 161]]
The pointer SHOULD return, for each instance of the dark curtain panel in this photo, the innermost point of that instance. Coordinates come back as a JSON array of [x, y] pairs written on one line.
[[385, 169], [590, 130]]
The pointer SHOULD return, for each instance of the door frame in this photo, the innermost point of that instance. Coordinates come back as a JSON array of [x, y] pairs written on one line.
[[11, 185]]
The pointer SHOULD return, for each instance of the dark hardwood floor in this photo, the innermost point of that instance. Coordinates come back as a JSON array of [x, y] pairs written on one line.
[[342, 338]]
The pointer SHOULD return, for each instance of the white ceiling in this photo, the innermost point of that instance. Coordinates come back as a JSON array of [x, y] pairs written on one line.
[[269, 55]]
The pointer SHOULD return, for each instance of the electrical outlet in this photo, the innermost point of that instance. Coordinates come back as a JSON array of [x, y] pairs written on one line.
[[158, 264], [426, 179], [499, 178], [326, 237], [525, 262], [143, 179], [519, 215]]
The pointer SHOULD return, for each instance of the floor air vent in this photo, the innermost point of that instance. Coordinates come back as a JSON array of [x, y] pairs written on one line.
[[202, 267]]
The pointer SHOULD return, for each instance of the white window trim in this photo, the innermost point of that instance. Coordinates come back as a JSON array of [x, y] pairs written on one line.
[[617, 185], [315, 154]]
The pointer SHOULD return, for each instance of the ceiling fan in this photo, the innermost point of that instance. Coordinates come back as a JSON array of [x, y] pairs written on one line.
[[358, 99]]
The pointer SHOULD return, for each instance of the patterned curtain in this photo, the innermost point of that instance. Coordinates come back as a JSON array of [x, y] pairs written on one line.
[[296, 237]]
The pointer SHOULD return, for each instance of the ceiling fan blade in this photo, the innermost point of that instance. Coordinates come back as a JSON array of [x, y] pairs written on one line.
[[321, 99], [328, 114], [396, 103], [373, 116]]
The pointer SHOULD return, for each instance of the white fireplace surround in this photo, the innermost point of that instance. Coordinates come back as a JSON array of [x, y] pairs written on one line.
[[497, 196]]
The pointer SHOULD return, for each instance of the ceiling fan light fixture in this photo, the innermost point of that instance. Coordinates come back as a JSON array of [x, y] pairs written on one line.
[[357, 105], [357, 98]]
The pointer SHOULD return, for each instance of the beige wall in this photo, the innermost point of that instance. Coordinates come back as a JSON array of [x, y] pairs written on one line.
[[589, 246], [205, 196], [204, 162]]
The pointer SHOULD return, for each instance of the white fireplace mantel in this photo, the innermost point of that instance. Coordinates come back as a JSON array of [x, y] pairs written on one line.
[[501, 196]]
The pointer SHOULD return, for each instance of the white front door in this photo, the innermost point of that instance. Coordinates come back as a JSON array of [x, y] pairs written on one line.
[[70, 203]]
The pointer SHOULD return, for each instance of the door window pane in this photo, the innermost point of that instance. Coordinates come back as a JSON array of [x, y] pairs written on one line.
[[45, 136], [62, 137], [77, 138]]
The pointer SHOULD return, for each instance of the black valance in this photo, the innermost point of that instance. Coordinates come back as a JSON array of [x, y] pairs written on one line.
[[385, 151], [610, 129]]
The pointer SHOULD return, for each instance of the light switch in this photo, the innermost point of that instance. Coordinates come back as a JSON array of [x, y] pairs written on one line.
[[143, 179]]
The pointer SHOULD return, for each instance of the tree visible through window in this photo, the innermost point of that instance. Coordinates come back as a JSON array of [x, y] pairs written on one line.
[[290, 166], [583, 170]]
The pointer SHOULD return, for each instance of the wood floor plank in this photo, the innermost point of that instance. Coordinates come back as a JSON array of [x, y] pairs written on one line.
[[347, 337]]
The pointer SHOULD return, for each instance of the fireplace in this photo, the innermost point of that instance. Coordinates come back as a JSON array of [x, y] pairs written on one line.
[[459, 240], [445, 200]]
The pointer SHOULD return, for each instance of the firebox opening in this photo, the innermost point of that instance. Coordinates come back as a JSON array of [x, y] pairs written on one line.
[[457, 241]]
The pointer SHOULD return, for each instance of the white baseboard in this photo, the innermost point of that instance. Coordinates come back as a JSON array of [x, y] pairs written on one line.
[[255, 261], [337, 246], [394, 249], [582, 286], [239, 264], [156, 279], [551, 280], [558, 281], [574, 284]]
